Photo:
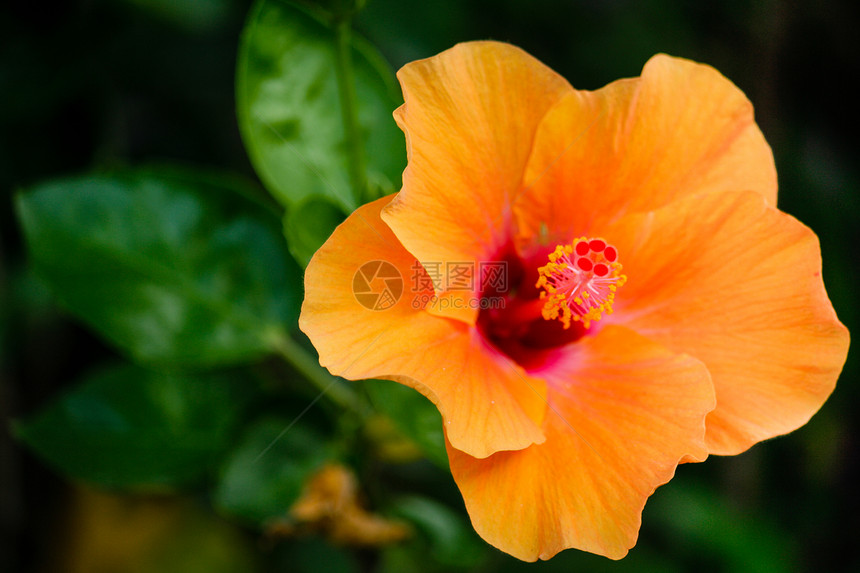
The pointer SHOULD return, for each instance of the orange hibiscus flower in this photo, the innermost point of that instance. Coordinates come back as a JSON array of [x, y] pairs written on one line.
[[597, 287]]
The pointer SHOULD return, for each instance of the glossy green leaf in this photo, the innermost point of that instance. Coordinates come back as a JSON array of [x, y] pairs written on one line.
[[171, 267], [309, 224], [413, 414], [265, 473], [131, 427], [290, 113]]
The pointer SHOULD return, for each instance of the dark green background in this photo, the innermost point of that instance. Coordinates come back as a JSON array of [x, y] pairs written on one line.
[[108, 84]]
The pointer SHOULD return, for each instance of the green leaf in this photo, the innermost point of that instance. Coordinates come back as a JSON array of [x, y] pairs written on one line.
[[290, 113], [264, 475], [694, 517], [413, 414], [452, 542], [309, 224], [173, 268], [129, 427]]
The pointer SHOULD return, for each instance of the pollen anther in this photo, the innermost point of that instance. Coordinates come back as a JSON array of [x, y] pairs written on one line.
[[580, 281]]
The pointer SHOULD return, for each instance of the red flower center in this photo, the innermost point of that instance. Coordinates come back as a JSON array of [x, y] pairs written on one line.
[[580, 281], [551, 305]]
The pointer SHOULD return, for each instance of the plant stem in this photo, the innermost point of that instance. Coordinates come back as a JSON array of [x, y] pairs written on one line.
[[333, 388], [348, 105]]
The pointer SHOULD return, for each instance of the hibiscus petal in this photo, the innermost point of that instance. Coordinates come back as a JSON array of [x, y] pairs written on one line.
[[637, 144], [470, 118], [737, 284], [624, 412], [487, 402]]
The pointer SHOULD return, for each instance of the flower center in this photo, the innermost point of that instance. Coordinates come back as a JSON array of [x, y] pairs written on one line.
[[579, 281]]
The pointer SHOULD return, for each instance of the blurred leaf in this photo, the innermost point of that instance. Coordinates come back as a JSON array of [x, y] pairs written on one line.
[[697, 519], [331, 504], [413, 414], [146, 534], [130, 427], [202, 542], [290, 113], [309, 224], [172, 267], [452, 541], [264, 475], [313, 555]]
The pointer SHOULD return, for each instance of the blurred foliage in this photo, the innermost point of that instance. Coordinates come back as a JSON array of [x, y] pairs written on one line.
[[265, 473], [410, 412], [107, 532], [189, 271], [445, 540], [157, 264], [127, 427]]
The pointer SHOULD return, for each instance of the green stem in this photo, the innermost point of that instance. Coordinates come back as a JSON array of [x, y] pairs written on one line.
[[348, 104], [305, 364]]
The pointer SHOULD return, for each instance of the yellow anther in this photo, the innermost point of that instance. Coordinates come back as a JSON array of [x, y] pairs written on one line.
[[580, 281]]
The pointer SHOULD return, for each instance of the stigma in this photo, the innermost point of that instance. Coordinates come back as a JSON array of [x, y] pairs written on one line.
[[579, 281]]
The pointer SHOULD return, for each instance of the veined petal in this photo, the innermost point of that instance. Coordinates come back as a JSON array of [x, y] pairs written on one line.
[[680, 129], [624, 412], [732, 281], [488, 403], [470, 118]]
